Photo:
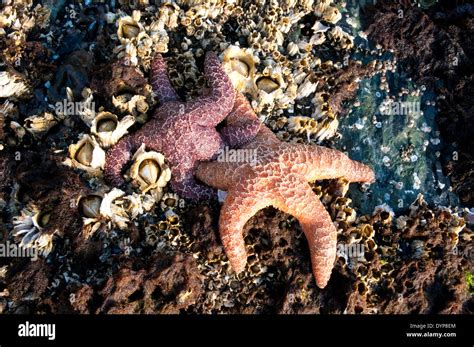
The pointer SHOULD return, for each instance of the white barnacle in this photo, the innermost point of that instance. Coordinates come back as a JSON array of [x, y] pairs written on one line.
[[86, 155], [240, 66], [29, 228], [150, 172], [109, 129]]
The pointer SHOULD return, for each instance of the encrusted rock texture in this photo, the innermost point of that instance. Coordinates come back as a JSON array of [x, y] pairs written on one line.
[[410, 266]]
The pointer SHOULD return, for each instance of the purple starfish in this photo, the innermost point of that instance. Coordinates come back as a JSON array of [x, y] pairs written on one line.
[[184, 132]]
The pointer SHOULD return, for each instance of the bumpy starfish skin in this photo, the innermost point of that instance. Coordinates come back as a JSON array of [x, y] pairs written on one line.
[[241, 126], [280, 179], [184, 132]]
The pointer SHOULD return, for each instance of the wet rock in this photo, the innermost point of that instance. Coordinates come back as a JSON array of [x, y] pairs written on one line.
[[81, 299], [58, 195], [436, 48], [28, 280], [111, 79], [346, 84], [74, 73], [168, 285]]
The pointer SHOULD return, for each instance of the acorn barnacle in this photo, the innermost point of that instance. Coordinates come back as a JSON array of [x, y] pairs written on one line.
[[150, 172], [87, 155], [108, 129]]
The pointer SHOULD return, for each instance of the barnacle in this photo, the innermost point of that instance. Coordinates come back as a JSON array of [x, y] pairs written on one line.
[[38, 125], [86, 111], [87, 155], [319, 27], [129, 28], [8, 16], [150, 172], [159, 36], [108, 129], [170, 201], [340, 37], [89, 208], [8, 109], [268, 84], [321, 6], [133, 104], [103, 209], [137, 204], [12, 85], [273, 88], [240, 65], [169, 14], [327, 128], [112, 210], [331, 14], [29, 227], [17, 129], [385, 212], [89, 205], [292, 48], [317, 39], [307, 87]]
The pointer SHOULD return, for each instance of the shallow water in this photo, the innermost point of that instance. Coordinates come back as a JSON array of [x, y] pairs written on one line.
[[402, 147]]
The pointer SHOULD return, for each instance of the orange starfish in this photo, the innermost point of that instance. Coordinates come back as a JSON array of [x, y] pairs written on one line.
[[279, 178]]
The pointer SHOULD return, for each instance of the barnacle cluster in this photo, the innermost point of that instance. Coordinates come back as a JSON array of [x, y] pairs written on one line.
[[148, 173], [128, 99], [16, 22], [321, 126], [396, 249], [274, 61]]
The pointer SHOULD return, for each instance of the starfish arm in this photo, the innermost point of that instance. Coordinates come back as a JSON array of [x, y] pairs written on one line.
[[117, 157], [358, 172], [217, 174], [299, 200], [242, 124], [211, 108], [266, 137], [239, 206], [160, 81], [184, 183], [327, 163]]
